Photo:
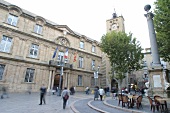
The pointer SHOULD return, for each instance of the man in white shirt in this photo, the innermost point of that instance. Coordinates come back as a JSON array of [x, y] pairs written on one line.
[[101, 93]]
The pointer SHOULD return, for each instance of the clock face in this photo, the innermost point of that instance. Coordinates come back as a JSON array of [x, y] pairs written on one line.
[[114, 26]]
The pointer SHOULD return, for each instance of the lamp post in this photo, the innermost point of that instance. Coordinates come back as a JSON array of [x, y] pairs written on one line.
[[61, 74], [96, 71]]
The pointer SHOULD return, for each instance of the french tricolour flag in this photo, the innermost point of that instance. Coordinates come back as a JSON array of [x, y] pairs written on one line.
[[66, 54]]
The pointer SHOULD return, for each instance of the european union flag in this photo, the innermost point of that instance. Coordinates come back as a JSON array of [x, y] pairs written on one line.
[[55, 52]]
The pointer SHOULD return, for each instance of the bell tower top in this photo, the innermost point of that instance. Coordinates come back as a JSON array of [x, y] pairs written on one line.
[[116, 23], [114, 14]]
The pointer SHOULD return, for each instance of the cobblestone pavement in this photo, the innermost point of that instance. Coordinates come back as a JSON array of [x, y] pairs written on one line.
[[25, 103]]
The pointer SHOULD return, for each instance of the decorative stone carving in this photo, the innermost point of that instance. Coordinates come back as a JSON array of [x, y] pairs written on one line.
[[15, 10], [40, 20], [62, 41], [88, 56]]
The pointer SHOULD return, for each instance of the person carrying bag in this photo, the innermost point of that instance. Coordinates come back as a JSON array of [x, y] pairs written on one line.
[[65, 96]]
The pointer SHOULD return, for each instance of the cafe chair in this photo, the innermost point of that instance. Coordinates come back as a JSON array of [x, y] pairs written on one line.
[[139, 102], [125, 100], [162, 104], [153, 104], [120, 98]]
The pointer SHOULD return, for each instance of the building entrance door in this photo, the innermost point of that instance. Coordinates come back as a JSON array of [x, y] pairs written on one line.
[[57, 81], [114, 83]]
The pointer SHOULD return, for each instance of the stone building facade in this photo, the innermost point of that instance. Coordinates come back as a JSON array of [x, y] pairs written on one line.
[[28, 44]]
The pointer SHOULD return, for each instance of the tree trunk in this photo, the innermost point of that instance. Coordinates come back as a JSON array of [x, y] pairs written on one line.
[[120, 86]]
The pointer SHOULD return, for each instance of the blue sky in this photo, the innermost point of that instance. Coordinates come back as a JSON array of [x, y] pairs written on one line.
[[88, 17]]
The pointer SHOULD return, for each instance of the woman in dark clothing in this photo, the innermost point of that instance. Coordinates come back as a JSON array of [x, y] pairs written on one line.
[[42, 94], [96, 93]]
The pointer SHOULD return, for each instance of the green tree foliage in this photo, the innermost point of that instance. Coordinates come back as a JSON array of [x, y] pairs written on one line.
[[124, 52], [162, 27]]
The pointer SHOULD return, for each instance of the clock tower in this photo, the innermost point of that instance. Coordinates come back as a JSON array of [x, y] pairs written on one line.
[[115, 23]]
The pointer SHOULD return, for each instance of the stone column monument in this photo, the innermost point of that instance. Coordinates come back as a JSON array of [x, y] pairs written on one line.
[[157, 84]]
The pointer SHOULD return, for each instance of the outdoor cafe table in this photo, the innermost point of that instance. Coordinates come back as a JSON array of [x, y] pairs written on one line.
[[132, 99]]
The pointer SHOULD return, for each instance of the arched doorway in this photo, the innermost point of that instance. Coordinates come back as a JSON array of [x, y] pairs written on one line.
[[57, 81], [114, 83]]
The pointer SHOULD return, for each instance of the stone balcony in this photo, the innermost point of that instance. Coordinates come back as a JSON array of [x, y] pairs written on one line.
[[59, 64]]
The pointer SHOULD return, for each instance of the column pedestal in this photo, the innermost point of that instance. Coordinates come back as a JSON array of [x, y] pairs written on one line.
[[156, 82]]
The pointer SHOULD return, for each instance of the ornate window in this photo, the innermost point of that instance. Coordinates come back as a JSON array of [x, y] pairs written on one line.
[[29, 75], [80, 80], [93, 48], [5, 44], [80, 62], [12, 20], [34, 51], [2, 67], [38, 29], [39, 23], [82, 45], [13, 15], [92, 64]]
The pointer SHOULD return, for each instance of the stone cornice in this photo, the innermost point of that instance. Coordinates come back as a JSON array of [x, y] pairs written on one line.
[[25, 61]]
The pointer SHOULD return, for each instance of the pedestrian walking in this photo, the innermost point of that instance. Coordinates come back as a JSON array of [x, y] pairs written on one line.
[[43, 90], [4, 92], [72, 91], [114, 93], [87, 90], [96, 93], [65, 96], [101, 93]]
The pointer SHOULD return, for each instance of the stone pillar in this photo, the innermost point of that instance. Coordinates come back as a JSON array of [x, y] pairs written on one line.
[[156, 80], [66, 80], [52, 84], [49, 81], [152, 35]]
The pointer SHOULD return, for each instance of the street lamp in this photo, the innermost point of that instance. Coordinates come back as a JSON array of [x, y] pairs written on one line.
[[96, 71], [61, 74]]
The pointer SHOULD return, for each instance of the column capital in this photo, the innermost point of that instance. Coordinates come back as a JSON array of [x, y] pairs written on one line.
[[149, 15], [51, 68]]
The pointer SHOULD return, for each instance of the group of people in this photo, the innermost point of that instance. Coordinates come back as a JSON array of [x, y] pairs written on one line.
[[98, 92]]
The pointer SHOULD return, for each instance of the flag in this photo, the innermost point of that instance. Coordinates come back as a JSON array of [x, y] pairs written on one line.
[[66, 54], [55, 52], [75, 55]]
